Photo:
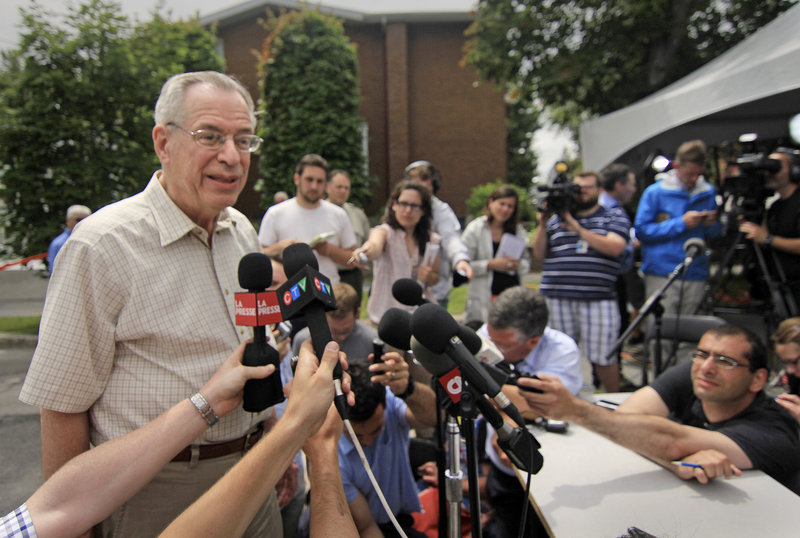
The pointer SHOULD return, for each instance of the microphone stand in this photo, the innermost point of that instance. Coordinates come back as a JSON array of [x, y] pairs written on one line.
[[452, 479], [652, 305]]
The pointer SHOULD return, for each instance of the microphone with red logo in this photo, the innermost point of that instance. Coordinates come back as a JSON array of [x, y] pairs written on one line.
[[308, 293], [258, 308]]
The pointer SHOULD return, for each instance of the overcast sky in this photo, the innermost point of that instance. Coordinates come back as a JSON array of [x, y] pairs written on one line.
[[549, 144]]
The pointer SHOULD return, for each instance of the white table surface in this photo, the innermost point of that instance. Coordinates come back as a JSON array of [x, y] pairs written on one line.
[[592, 487]]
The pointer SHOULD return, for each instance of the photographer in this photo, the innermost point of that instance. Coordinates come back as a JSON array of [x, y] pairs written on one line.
[[782, 229], [582, 247]]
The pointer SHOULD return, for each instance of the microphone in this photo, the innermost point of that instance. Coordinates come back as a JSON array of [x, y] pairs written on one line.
[[258, 308], [308, 293], [693, 247], [520, 445], [440, 367], [407, 291], [436, 330], [395, 328]]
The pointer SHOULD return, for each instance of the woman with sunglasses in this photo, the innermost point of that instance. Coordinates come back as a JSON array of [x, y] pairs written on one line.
[[397, 247]]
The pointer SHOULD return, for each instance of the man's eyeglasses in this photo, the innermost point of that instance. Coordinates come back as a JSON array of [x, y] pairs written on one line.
[[215, 140], [726, 363], [409, 206], [790, 362]]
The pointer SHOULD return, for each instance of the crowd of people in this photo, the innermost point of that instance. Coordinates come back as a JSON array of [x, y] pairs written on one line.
[[143, 431]]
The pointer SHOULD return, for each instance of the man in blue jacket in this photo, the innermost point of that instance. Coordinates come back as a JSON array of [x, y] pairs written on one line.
[[680, 205]]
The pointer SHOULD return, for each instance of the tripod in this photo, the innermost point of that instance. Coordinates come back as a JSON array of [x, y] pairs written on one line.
[[780, 302]]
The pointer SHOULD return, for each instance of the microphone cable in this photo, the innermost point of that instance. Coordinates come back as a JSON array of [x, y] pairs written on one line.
[[372, 479]]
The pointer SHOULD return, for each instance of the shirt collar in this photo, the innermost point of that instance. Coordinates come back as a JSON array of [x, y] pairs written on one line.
[[172, 223]]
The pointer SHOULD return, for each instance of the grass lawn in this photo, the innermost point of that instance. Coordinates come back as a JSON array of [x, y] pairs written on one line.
[[20, 325]]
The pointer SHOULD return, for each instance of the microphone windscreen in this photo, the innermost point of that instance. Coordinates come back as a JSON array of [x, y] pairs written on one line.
[[395, 328], [296, 256], [255, 271], [407, 291], [433, 326], [470, 338], [694, 242]]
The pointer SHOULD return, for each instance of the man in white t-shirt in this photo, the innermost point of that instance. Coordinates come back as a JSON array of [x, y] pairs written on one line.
[[306, 216]]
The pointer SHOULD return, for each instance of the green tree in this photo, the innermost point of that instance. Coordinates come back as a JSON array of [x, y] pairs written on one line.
[[309, 101], [479, 196], [522, 121], [585, 57], [76, 111]]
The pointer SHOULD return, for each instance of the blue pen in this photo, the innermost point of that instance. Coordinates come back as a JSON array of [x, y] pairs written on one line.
[[686, 464]]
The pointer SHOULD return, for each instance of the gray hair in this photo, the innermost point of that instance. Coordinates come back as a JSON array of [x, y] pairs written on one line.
[[522, 309], [170, 104]]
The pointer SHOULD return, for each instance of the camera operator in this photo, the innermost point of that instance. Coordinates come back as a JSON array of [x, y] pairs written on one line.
[[782, 229], [582, 248]]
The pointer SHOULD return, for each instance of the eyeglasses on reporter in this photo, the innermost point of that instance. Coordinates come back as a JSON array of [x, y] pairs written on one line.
[[409, 206], [214, 140], [722, 361]]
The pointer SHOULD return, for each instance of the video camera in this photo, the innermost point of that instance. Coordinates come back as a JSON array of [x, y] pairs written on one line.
[[745, 189], [558, 196]]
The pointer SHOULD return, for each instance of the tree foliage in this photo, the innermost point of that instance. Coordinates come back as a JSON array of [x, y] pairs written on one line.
[[76, 111], [479, 196], [309, 101], [585, 57]]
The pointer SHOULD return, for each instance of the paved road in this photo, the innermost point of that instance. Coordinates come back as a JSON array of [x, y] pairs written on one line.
[[21, 294]]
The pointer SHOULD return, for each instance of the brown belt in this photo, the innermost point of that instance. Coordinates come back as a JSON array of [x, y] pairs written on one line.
[[242, 444]]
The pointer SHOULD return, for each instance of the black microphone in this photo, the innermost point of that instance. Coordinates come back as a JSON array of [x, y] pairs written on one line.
[[407, 291], [395, 328], [436, 329], [308, 293], [693, 247], [441, 367], [255, 275], [520, 445]]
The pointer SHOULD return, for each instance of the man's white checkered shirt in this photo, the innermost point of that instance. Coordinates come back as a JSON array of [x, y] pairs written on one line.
[[139, 315]]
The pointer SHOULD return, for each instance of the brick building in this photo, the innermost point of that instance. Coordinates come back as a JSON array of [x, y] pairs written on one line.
[[417, 100]]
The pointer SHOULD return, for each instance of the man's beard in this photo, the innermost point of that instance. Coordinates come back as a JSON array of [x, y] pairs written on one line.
[[580, 205]]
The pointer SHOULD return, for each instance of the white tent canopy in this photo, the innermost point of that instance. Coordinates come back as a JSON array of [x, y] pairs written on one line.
[[753, 87]]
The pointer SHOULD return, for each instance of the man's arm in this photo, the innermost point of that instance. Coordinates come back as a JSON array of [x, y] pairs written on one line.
[[362, 517], [611, 244], [393, 372], [277, 248], [759, 233], [229, 506], [337, 254], [329, 512], [655, 437], [540, 238], [64, 436], [92, 485]]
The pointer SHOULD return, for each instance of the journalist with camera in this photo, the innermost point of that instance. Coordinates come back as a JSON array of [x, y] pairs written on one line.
[[781, 231], [582, 247]]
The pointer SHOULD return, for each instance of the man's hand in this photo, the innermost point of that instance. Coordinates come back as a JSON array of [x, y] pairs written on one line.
[[428, 274], [429, 472], [225, 389], [327, 437], [465, 268], [713, 465], [693, 219], [569, 223], [311, 392], [711, 217], [392, 372], [790, 402], [754, 231], [323, 248], [554, 402]]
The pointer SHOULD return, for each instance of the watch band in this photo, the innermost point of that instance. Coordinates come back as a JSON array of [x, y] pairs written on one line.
[[205, 409], [768, 239], [409, 388]]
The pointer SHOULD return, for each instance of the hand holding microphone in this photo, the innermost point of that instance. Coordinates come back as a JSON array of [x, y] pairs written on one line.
[[258, 308]]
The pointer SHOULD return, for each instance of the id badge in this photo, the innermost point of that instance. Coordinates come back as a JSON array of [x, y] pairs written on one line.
[[582, 246]]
